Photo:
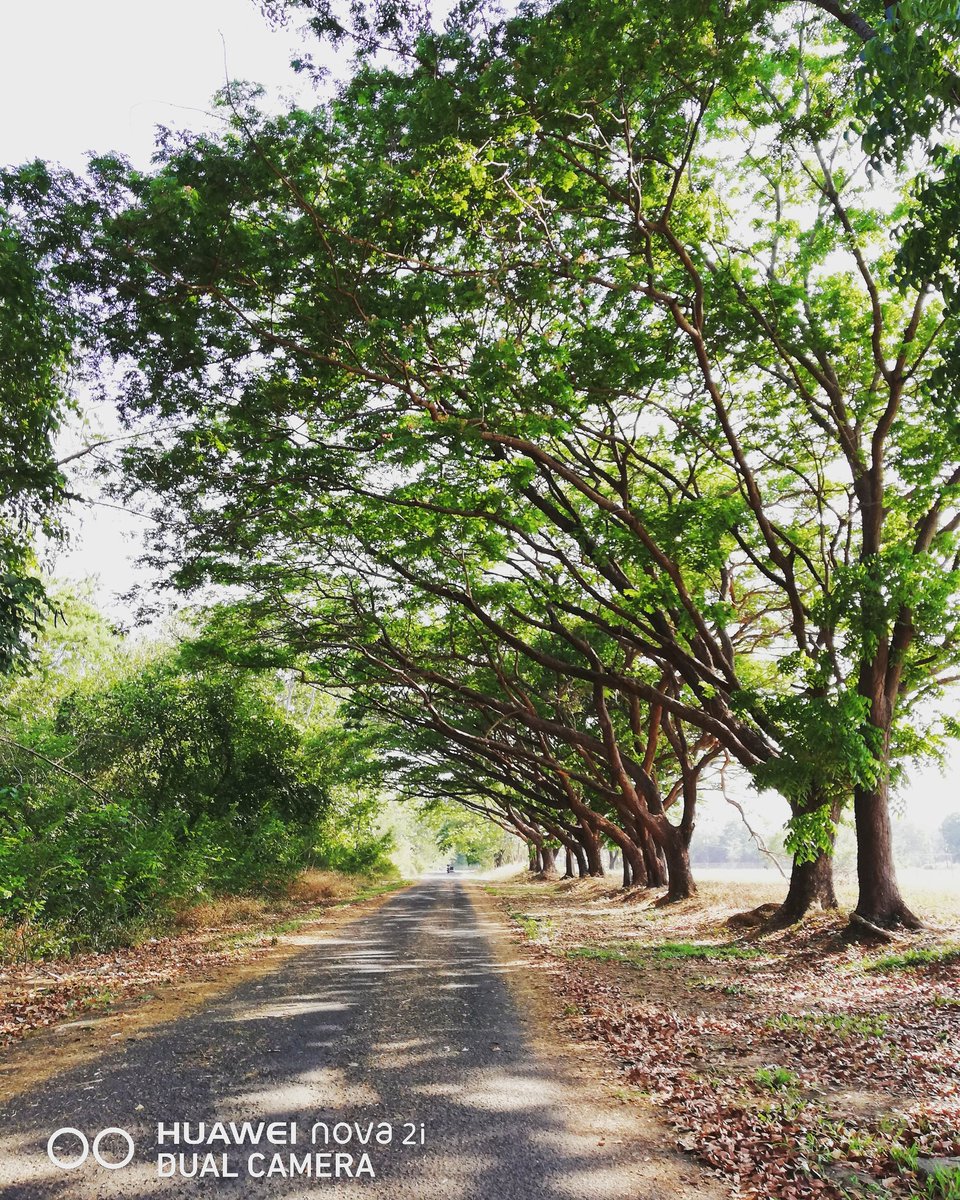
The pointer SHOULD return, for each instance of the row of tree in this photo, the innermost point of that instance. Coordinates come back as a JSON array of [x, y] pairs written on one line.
[[575, 390]]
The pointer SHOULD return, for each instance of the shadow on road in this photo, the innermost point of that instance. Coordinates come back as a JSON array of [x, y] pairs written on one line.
[[405, 1016]]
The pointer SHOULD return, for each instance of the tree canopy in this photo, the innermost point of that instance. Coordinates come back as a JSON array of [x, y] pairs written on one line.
[[35, 349], [605, 351]]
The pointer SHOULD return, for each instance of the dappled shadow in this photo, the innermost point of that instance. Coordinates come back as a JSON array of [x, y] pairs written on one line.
[[410, 1022]]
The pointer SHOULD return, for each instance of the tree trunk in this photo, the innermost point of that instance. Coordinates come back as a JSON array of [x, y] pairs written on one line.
[[879, 902], [811, 884], [548, 862], [676, 849], [621, 837], [568, 864], [627, 872], [591, 849], [654, 861]]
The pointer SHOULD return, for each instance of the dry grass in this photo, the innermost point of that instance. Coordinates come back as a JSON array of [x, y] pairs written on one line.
[[235, 912], [220, 913], [313, 887]]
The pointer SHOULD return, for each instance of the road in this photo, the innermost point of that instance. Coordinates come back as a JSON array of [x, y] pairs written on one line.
[[406, 1019]]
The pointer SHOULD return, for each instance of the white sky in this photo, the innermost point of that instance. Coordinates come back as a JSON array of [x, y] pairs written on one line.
[[97, 75], [80, 76]]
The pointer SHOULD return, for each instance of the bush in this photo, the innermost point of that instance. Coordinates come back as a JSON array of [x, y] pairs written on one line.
[[156, 785]]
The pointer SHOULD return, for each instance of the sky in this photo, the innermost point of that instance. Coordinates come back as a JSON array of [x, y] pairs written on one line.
[[96, 75], [81, 76]]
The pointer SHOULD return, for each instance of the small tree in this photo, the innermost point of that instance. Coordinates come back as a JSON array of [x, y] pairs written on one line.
[[950, 832]]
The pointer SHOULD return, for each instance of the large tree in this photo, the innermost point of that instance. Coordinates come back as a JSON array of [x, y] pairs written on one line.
[[34, 355], [610, 282]]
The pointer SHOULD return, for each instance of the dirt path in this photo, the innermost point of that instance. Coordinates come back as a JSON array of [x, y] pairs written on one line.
[[412, 1018]]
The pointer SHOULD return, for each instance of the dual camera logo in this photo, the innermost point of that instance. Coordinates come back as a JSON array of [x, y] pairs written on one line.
[[68, 1135]]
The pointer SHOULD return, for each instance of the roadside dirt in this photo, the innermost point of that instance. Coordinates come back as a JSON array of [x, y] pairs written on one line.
[[150, 985], [795, 1064], [595, 1079]]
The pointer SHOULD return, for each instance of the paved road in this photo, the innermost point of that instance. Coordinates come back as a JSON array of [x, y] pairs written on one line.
[[405, 1017]]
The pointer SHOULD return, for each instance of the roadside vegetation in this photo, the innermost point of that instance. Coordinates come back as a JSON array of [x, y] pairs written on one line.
[[142, 782], [193, 940], [793, 1066]]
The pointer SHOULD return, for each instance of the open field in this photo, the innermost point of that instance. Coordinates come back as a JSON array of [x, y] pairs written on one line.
[[794, 1064]]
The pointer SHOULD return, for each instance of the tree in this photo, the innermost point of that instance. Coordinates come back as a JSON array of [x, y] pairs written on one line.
[[950, 832], [606, 285], [137, 780], [463, 834], [34, 356]]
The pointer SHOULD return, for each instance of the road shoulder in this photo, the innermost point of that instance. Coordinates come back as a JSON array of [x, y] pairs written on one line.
[[590, 1072], [60, 1048]]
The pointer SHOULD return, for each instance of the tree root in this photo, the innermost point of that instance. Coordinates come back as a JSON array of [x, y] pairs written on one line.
[[862, 930]]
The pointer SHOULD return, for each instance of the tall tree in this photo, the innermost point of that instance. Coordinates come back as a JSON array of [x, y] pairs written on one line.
[[610, 282], [34, 354]]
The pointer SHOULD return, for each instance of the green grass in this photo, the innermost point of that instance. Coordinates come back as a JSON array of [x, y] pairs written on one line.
[[909, 959], [635, 954], [944, 1184], [533, 927], [603, 953], [379, 889], [839, 1023], [698, 950], [775, 1079]]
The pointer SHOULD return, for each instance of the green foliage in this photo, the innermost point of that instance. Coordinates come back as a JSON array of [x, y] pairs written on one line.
[[34, 353], [810, 833], [143, 779], [909, 77], [468, 836]]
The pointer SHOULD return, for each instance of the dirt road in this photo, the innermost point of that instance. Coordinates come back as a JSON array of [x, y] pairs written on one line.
[[399, 1041]]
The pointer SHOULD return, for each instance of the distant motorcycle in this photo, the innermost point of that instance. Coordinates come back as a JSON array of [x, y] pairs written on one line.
[[449, 868]]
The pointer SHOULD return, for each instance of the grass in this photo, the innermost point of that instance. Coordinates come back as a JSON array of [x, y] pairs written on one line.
[[368, 891], [533, 927], [775, 1079], [908, 959], [602, 953], [944, 1184], [707, 952], [840, 1023], [635, 954]]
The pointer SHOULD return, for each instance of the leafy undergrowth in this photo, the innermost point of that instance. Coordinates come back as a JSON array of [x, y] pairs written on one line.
[[792, 1064], [35, 994]]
